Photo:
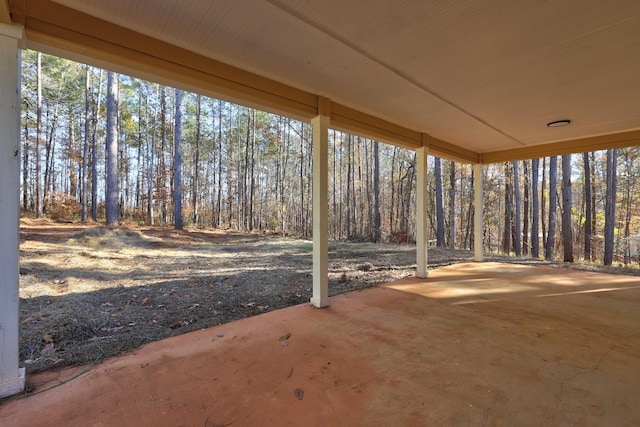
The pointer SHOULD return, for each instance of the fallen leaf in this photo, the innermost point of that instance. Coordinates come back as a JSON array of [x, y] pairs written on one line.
[[48, 350], [285, 337], [47, 338]]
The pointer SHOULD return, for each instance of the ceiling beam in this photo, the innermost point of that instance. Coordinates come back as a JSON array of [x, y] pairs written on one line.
[[450, 151], [65, 29], [53, 28], [5, 15], [351, 120], [581, 145]]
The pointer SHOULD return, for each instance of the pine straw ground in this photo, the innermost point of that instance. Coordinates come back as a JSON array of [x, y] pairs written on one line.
[[88, 292]]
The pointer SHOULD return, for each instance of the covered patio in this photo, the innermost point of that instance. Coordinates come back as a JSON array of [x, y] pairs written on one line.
[[477, 82], [475, 344]]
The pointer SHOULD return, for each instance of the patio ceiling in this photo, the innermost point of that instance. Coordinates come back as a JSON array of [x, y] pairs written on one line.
[[474, 80]]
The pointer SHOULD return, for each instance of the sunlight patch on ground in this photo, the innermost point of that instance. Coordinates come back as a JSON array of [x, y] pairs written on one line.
[[451, 290], [588, 291]]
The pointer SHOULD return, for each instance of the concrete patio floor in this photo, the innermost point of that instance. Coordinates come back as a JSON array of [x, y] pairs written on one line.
[[474, 344]]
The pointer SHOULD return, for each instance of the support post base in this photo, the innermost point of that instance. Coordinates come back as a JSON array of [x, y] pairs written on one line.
[[319, 302], [14, 385]]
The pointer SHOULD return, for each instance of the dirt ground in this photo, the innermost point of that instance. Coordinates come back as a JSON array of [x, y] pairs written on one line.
[[88, 292], [475, 344]]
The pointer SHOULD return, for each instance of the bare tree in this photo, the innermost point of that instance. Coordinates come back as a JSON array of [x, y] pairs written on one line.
[[112, 193], [628, 185], [452, 205], [587, 199], [610, 205], [85, 146], [94, 152], [525, 208], [177, 164], [553, 206], [535, 208], [508, 209], [517, 241], [437, 170], [376, 192], [567, 229], [196, 162], [39, 137]]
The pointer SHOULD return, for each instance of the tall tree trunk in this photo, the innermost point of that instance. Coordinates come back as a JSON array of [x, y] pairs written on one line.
[[219, 192], [39, 137], [72, 184], [567, 229], [252, 178], [411, 176], [587, 198], [85, 146], [376, 192], [553, 202], [162, 165], [517, 242], [508, 210], [25, 165], [392, 225], [94, 152], [628, 178], [151, 165], [245, 176], [543, 203], [468, 235], [437, 170], [111, 205], [535, 221], [610, 205], [594, 218], [525, 217], [452, 205], [196, 162], [349, 185], [49, 183], [177, 164]]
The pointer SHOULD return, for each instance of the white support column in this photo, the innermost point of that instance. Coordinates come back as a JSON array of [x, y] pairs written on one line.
[[422, 234], [478, 217], [320, 296], [11, 375]]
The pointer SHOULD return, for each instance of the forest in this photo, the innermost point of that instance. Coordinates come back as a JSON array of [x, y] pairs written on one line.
[[103, 147]]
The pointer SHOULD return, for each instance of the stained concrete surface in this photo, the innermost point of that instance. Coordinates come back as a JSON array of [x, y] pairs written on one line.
[[473, 344]]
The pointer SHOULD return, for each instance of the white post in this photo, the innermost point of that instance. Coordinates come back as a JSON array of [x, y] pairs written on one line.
[[478, 219], [320, 296], [422, 234], [11, 375]]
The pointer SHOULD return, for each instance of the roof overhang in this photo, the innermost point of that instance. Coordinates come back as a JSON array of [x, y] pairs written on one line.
[[403, 75]]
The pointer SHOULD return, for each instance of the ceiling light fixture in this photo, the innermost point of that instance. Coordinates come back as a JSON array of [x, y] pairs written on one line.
[[559, 123]]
